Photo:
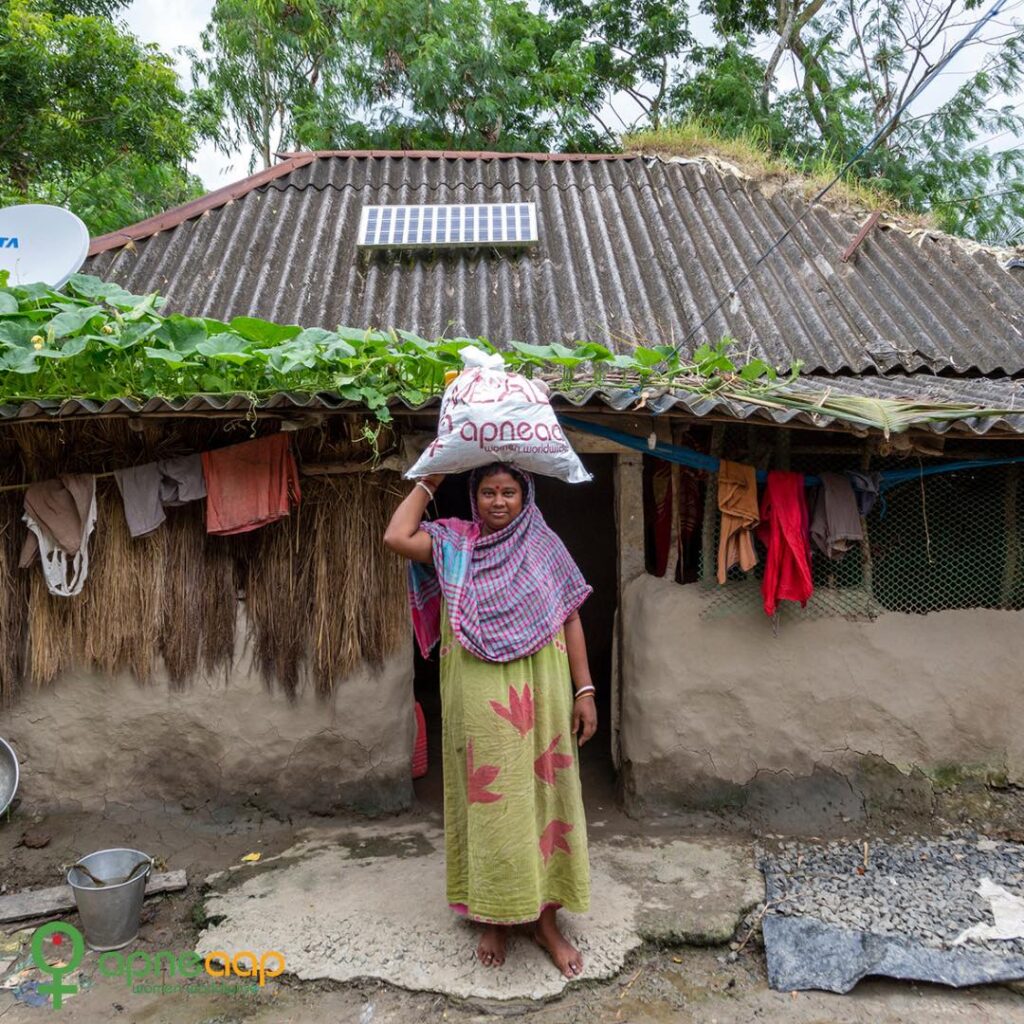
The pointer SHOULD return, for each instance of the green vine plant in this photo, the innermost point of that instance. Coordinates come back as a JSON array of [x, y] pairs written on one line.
[[96, 340]]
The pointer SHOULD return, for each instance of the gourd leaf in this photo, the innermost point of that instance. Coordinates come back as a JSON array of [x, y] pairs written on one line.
[[71, 321], [225, 346], [182, 333], [263, 332]]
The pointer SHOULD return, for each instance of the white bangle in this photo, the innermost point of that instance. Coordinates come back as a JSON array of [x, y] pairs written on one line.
[[420, 483]]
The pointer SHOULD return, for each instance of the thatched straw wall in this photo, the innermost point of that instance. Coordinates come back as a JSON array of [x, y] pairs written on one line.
[[13, 590], [319, 589]]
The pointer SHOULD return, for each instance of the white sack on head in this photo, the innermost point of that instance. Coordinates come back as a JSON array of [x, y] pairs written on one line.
[[489, 415]]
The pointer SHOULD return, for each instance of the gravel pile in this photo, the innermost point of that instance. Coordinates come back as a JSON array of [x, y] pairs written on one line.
[[918, 889]]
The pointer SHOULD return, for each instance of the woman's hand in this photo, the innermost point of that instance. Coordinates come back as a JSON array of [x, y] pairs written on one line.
[[584, 710], [584, 718], [434, 480]]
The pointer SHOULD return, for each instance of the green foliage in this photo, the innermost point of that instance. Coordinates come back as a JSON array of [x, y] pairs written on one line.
[[89, 113], [467, 74], [99, 341], [272, 70], [129, 191], [632, 47], [84, 8], [720, 87], [429, 74]]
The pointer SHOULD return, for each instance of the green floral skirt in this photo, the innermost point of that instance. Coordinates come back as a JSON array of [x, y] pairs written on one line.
[[515, 831]]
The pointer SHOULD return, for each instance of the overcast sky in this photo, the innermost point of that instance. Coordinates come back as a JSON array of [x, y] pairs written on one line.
[[172, 26]]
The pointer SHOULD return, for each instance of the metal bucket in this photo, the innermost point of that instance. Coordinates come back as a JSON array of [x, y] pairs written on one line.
[[110, 901], [8, 775]]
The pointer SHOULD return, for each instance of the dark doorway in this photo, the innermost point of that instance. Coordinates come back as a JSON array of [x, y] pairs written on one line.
[[583, 516]]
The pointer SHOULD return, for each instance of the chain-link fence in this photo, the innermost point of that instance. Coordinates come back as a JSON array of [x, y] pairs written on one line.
[[949, 540]]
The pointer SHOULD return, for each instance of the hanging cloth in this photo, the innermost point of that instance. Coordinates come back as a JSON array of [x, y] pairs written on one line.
[[866, 488], [690, 521], [658, 495], [737, 501], [784, 532], [60, 515], [140, 496], [249, 485], [148, 489], [835, 524], [181, 480]]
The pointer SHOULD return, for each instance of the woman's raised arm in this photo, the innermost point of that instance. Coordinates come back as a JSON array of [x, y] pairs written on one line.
[[403, 534]]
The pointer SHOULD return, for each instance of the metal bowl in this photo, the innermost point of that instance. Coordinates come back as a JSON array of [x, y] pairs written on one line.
[[8, 775]]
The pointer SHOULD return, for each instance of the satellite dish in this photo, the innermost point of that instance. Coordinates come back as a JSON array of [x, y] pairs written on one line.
[[41, 243]]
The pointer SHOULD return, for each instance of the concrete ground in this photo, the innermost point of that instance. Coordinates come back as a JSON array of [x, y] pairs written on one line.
[[368, 902]]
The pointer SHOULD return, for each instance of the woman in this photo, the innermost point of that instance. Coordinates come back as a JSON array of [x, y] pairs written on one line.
[[502, 597]]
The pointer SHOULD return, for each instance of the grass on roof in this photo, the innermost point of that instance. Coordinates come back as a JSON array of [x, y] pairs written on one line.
[[748, 153]]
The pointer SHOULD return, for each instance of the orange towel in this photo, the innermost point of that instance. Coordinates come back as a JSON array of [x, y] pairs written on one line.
[[249, 484], [737, 501]]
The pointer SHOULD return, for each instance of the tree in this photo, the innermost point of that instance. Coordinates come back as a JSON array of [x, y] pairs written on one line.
[[84, 8], [469, 74], [89, 116], [721, 87], [273, 69], [407, 73], [634, 46], [854, 63]]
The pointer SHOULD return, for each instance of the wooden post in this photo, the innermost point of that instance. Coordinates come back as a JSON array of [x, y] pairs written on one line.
[[867, 565], [1012, 538], [674, 540], [783, 448], [629, 524]]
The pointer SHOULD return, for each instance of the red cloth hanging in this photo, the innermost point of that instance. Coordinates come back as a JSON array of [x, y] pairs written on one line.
[[419, 753], [784, 532], [658, 519], [250, 484]]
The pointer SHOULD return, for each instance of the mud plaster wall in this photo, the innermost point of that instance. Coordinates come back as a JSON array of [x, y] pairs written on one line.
[[829, 717], [89, 740]]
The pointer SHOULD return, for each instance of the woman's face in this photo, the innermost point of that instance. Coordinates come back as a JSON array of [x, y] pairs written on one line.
[[499, 499]]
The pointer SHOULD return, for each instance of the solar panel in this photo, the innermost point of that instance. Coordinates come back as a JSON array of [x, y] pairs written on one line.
[[439, 227]]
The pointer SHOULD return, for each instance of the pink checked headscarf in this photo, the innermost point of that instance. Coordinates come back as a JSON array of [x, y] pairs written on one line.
[[507, 593]]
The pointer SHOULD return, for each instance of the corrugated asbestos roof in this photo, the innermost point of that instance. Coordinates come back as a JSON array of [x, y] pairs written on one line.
[[632, 249], [1002, 394]]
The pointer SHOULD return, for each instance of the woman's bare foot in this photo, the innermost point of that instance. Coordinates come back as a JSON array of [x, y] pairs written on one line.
[[491, 951], [564, 954]]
